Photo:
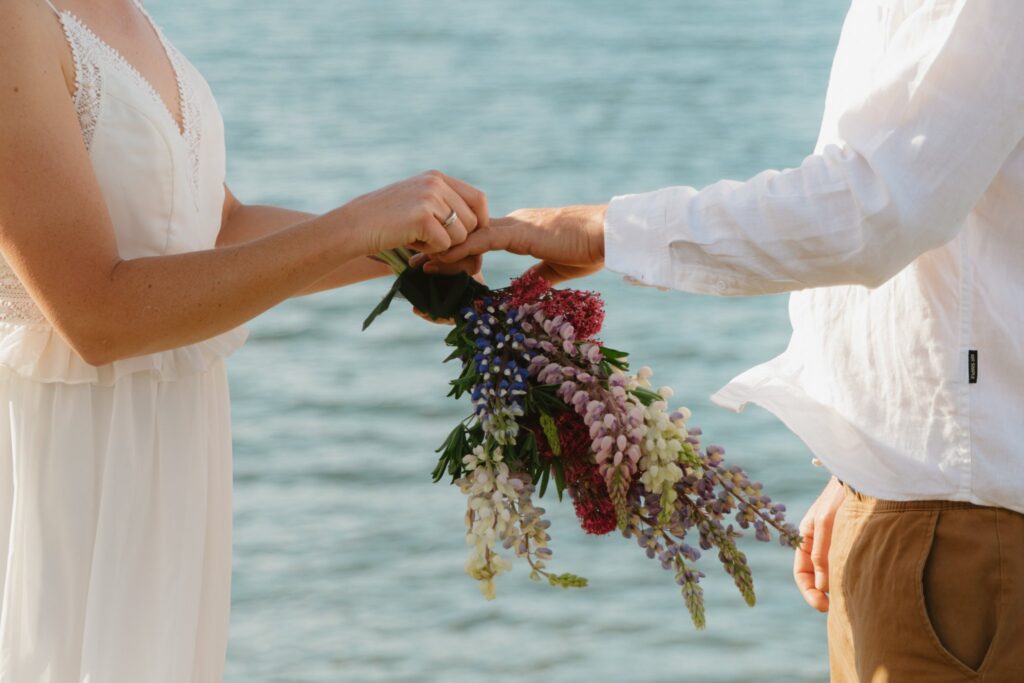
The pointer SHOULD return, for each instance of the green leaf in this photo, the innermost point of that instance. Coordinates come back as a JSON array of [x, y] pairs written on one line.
[[544, 477], [612, 354], [559, 468], [614, 359], [439, 470], [384, 304], [456, 338], [545, 400], [459, 429], [646, 396], [454, 448], [466, 380], [457, 353]]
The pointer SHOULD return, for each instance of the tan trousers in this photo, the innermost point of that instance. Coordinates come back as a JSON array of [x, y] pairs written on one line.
[[929, 591]]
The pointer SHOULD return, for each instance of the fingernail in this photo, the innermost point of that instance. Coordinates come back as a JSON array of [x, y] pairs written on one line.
[[819, 580]]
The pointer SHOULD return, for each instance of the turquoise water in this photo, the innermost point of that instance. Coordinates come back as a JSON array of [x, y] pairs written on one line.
[[348, 562]]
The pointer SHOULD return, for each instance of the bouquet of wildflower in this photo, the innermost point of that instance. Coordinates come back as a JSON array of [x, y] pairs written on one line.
[[553, 405]]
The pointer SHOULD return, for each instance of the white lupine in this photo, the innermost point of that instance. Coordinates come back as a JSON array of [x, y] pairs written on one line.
[[499, 509], [490, 514], [663, 449], [664, 445]]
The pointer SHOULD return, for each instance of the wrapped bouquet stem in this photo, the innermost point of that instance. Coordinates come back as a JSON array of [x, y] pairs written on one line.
[[554, 409]]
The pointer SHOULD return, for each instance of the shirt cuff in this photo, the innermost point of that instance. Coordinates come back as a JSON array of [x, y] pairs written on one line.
[[635, 240], [639, 244]]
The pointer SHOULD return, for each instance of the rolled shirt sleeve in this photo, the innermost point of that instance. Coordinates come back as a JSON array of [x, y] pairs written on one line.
[[915, 152]]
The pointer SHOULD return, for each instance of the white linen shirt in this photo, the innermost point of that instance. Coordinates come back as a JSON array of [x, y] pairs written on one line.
[[904, 232]]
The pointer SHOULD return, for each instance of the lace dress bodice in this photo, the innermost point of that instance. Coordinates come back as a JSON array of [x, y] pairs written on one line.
[[164, 190]]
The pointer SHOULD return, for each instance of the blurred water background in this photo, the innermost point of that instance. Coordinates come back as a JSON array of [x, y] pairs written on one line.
[[348, 561]]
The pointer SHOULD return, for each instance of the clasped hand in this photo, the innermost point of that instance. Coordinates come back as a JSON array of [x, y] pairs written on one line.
[[415, 213], [568, 241]]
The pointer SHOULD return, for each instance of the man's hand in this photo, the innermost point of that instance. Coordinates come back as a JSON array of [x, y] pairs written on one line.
[[810, 566], [569, 241]]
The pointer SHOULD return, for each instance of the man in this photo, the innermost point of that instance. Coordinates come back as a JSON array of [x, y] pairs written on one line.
[[904, 234]]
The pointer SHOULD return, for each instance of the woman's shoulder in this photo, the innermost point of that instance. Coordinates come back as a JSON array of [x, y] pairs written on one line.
[[26, 24], [32, 43]]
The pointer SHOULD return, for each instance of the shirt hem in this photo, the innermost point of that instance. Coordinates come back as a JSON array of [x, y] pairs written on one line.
[[767, 391]]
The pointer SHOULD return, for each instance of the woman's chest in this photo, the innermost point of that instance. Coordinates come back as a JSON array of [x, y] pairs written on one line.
[[161, 175]]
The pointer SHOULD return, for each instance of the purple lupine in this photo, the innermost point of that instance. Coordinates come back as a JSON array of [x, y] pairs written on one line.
[[613, 416]]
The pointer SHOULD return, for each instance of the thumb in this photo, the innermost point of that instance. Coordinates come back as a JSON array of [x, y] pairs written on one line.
[[548, 272]]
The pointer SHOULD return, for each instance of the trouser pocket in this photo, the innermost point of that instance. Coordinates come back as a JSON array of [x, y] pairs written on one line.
[[960, 585]]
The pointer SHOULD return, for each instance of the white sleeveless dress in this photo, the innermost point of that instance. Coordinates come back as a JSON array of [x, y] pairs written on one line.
[[115, 481]]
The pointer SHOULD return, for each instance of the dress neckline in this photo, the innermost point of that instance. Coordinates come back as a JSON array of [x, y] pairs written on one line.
[[182, 128]]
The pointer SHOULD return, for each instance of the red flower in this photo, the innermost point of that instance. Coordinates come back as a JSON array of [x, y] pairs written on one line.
[[585, 310], [529, 288], [573, 437], [586, 485], [584, 481], [594, 507]]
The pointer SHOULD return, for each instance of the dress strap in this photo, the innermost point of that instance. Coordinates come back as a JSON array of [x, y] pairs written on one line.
[[55, 10]]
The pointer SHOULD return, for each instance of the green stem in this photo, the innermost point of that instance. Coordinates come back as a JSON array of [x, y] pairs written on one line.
[[394, 259], [405, 253]]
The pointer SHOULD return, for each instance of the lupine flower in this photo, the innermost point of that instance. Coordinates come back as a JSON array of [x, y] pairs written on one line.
[[583, 310], [500, 359], [528, 289], [552, 403], [590, 497]]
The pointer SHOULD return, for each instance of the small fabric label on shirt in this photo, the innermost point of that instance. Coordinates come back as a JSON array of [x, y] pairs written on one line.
[[972, 366]]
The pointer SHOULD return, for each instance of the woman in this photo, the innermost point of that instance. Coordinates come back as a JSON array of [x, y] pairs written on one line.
[[128, 268]]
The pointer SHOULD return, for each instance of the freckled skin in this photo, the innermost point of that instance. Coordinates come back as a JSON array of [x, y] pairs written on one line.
[[56, 232]]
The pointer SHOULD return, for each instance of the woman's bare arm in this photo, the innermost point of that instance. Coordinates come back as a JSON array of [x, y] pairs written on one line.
[[248, 222], [56, 233]]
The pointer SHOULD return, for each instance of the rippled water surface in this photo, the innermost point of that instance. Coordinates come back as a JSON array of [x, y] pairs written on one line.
[[348, 562]]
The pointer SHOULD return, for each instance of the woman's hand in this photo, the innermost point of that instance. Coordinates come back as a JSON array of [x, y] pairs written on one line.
[[56, 231], [569, 240], [810, 565], [413, 213]]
